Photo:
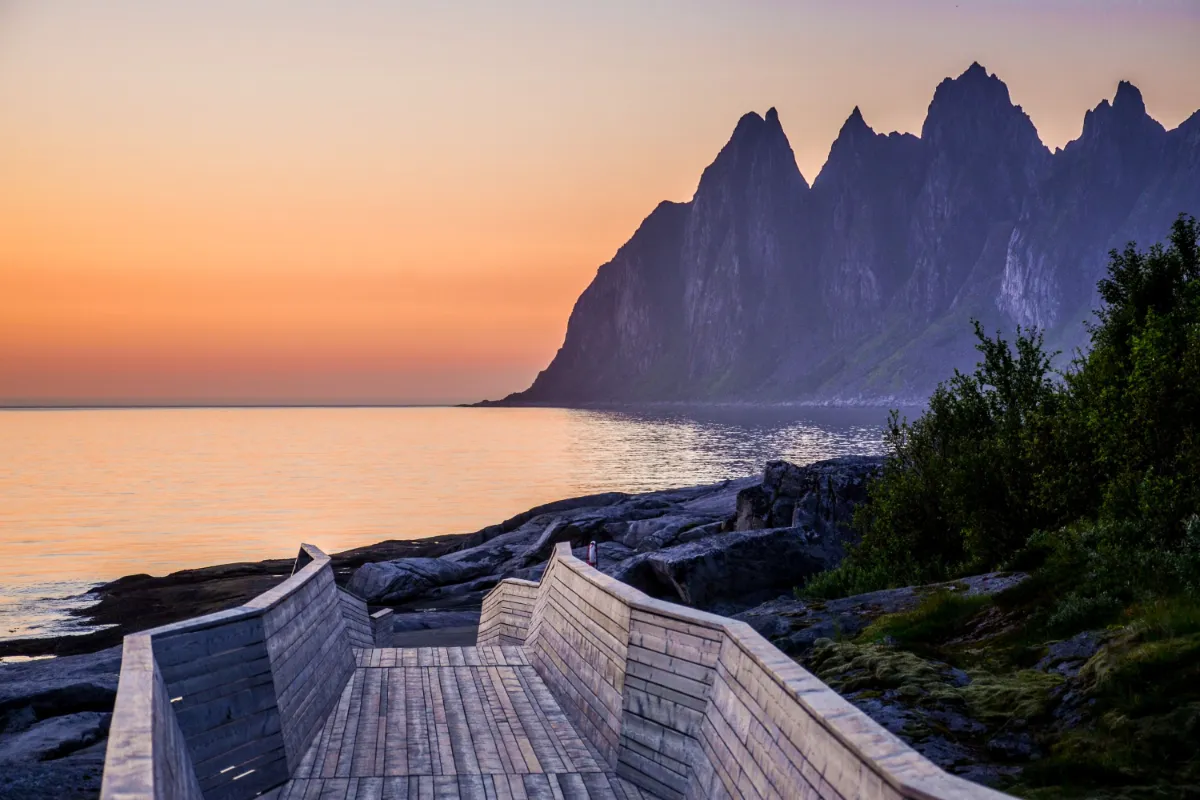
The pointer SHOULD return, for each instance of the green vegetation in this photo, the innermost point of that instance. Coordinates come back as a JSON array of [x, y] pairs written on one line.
[[940, 616], [1013, 451], [1089, 480]]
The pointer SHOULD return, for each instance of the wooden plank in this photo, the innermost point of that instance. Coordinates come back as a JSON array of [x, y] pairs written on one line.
[[537, 787], [483, 741], [369, 789], [445, 787], [470, 787], [396, 726], [457, 721], [508, 750], [332, 745], [395, 787], [366, 744], [527, 751], [440, 731], [345, 760], [420, 758]]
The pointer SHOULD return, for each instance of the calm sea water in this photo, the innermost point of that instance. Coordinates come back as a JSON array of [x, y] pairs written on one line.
[[90, 495]]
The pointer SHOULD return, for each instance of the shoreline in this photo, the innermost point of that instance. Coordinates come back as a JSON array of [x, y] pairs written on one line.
[[137, 602]]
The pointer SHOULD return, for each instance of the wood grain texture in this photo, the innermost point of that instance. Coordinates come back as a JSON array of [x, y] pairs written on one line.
[[707, 707], [226, 705], [454, 722], [580, 687]]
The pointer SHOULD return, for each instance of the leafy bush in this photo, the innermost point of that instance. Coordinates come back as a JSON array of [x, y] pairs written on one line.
[[1105, 455]]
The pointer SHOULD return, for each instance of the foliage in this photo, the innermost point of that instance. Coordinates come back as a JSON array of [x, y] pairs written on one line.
[[1089, 480], [939, 616], [1098, 466]]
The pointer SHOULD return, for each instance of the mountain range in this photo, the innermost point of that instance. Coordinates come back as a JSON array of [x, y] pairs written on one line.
[[860, 288]]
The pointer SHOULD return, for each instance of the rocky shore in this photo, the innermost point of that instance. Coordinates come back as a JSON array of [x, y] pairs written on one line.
[[740, 547]]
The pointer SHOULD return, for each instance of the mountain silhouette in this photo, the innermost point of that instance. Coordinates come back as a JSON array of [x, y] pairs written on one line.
[[860, 287]]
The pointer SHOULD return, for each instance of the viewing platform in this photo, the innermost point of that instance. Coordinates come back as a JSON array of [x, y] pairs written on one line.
[[579, 687]]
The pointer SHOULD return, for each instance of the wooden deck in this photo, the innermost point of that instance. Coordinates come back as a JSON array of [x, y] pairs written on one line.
[[451, 722]]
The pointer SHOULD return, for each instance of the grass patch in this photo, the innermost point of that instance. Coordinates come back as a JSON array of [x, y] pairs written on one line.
[[999, 698], [853, 667], [940, 616]]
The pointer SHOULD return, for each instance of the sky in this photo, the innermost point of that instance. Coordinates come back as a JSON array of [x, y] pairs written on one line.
[[399, 202]]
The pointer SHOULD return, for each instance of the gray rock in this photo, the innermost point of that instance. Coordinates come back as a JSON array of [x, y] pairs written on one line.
[[407, 578], [55, 737], [735, 567], [50, 709], [821, 496], [654, 534], [37, 690], [73, 777], [494, 552], [720, 501], [1068, 656], [794, 625], [556, 507], [541, 547], [433, 620]]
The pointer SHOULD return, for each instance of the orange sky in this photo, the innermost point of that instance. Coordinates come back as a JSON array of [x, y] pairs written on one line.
[[399, 202]]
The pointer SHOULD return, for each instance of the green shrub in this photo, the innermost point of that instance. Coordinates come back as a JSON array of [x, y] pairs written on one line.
[[1013, 449]]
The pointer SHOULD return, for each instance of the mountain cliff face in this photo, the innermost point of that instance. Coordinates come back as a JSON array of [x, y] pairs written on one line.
[[860, 288]]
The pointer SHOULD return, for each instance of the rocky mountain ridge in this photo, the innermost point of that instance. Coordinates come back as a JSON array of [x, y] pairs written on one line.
[[861, 286]]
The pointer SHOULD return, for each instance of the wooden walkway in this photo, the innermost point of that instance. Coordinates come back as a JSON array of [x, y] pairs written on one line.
[[451, 722]]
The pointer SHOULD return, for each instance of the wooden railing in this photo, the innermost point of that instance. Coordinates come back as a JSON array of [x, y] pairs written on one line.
[[687, 704], [225, 705]]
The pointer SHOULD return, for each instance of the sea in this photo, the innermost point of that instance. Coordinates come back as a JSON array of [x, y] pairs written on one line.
[[90, 495]]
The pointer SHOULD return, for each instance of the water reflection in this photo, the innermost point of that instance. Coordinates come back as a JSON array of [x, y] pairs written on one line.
[[90, 495]]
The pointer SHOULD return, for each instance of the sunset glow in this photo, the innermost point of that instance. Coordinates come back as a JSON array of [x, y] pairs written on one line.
[[399, 202]]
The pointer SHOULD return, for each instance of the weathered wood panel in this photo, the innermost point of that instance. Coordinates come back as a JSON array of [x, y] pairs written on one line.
[[578, 640], [455, 722], [243, 692], [708, 708], [381, 628], [504, 619], [147, 756], [358, 622]]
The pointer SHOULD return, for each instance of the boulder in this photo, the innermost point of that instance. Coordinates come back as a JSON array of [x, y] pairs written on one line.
[[821, 496], [494, 552], [433, 620], [540, 549], [56, 709], [653, 534], [55, 737], [739, 568], [388, 582], [36, 690]]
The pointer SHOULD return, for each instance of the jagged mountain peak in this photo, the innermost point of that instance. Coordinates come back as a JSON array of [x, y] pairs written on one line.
[[1191, 124], [747, 125], [756, 142], [854, 125], [854, 136], [1124, 119], [760, 289], [974, 112], [859, 147], [974, 85], [1128, 99]]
